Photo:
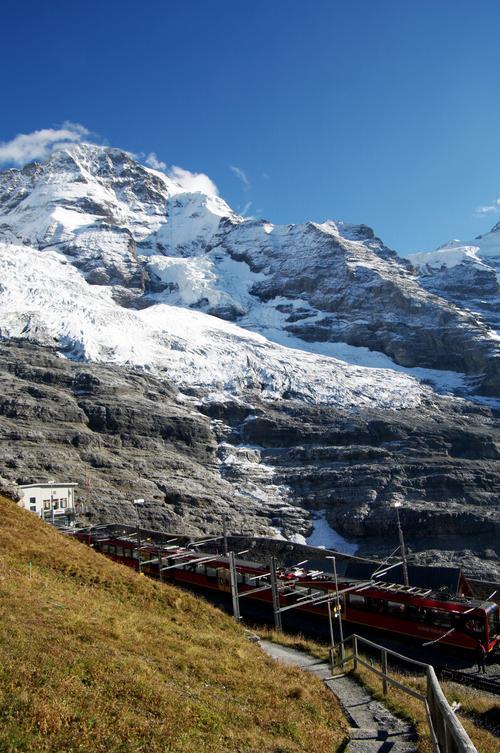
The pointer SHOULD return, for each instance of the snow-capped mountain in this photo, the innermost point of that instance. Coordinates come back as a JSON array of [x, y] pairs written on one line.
[[467, 273], [313, 369], [143, 245]]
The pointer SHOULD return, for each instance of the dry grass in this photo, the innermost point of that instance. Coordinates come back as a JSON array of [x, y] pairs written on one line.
[[298, 641], [479, 713], [94, 657]]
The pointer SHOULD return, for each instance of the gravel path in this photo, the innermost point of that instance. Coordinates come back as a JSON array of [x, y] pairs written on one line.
[[373, 728]]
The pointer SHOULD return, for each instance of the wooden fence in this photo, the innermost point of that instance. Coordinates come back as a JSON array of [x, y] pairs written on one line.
[[447, 734]]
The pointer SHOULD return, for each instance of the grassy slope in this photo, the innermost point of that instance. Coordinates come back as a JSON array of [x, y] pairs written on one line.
[[94, 657]]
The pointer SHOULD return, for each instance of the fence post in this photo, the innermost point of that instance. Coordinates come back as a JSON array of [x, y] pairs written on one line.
[[355, 651], [276, 598], [332, 639], [384, 670]]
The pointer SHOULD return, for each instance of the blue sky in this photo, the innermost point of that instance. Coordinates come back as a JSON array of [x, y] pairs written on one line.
[[384, 112]]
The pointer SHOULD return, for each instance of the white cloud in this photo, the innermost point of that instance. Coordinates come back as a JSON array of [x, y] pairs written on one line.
[[153, 161], [38, 145], [241, 174], [493, 208], [193, 181], [246, 209], [26, 147]]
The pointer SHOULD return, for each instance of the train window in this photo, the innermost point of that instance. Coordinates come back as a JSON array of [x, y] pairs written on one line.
[[374, 605], [104, 548], [474, 626], [111, 549], [395, 608], [439, 618], [119, 551], [493, 622], [211, 572], [356, 602], [135, 554]]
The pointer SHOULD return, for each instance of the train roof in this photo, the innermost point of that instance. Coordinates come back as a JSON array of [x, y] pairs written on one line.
[[435, 578]]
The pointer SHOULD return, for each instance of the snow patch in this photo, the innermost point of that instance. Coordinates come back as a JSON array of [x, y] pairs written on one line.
[[325, 537]]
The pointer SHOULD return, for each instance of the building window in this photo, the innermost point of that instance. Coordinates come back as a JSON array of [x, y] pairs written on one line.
[[64, 503], [32, 500], [46, 504], [33, 508]]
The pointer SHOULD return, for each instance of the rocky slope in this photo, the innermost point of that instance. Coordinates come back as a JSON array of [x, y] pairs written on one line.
[[156, 344], [265, 465]]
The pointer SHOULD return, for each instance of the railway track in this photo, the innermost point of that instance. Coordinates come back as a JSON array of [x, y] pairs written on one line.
[[481, 682]]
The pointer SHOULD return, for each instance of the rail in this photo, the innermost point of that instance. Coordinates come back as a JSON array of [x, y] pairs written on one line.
[[446, 732], [474, 681]]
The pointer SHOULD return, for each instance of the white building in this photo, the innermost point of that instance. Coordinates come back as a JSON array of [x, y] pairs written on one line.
[[49, 501]]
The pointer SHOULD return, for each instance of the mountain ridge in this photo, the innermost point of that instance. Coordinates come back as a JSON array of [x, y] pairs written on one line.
[[331, 379]]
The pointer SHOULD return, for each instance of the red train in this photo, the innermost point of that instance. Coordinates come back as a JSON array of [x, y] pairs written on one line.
[[414, 612]]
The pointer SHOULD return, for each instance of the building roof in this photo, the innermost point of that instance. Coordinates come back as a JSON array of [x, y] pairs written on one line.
[[47, 484]]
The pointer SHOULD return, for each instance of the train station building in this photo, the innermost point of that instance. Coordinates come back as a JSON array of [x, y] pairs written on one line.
[[50, 501]]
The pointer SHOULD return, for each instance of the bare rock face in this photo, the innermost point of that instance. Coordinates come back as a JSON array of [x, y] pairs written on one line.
[[121, 433], [354, 289], [441, 462]]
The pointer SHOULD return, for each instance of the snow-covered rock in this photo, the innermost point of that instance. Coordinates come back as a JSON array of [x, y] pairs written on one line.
[[466, 273], [143, 255], [44, 299]]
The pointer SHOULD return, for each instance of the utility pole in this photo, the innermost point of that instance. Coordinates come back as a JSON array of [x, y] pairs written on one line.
[[275, 593], [138, 503], [224, 534], [160, 563], [234, 586], [402, 548]]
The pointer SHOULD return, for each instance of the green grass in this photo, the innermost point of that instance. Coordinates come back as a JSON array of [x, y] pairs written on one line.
[[94, 657]]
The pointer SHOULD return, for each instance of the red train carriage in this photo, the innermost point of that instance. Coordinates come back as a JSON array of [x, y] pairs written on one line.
[[413, 612], [422, 614]]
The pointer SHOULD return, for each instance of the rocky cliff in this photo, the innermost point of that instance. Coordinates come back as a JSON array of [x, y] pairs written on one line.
[[122, 433]]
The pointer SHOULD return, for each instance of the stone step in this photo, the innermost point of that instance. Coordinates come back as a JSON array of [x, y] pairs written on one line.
[[381, 746], [381, 735], [363, 733]]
